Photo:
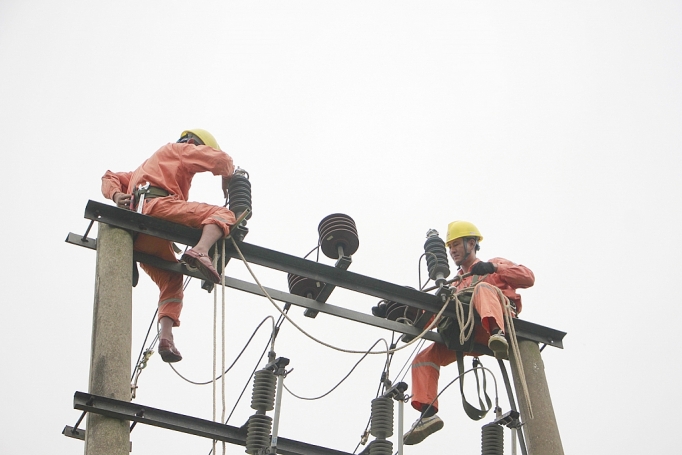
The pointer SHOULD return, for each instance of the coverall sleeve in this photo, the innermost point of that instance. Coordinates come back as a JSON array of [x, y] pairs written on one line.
[[113, 182], [515, 275], [202, 158]]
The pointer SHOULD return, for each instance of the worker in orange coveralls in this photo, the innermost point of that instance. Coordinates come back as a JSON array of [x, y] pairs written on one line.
[[463, 241], [168, 176]]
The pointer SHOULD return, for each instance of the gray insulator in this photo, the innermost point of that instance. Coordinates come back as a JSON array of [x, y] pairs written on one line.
[[239, 192], [436, 257], [492, 439], [258, 432], [381, 447], [264, 385], [382, 417]]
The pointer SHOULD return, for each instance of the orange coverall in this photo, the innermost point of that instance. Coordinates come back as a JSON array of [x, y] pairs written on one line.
[[172, 168], [426, 365]]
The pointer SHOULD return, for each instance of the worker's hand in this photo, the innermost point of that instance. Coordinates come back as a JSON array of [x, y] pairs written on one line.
[[482, 268], [226, 184], [122, 200]]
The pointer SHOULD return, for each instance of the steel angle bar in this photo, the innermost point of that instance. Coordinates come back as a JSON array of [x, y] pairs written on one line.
[[341, 312], [127, 219], [134, 412]]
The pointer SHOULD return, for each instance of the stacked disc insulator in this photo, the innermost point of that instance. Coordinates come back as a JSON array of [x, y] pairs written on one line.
[[492, 439], [305, 287], [395, 311], [381, 426], [436, 257], [338, 231], [400, 312], [259, 425], [239, 192]]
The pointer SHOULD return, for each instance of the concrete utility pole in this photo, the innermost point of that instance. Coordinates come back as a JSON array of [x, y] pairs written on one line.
[[111, 339], [541, 432]]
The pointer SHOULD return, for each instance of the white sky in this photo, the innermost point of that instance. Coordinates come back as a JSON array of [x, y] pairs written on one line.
[[554, 126]]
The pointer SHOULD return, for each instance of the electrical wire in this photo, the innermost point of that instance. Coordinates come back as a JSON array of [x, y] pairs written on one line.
[[342, 380], [235, 360]]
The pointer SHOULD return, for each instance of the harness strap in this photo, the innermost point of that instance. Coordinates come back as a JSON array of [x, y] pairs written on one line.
[[150, 192], [473, 412]]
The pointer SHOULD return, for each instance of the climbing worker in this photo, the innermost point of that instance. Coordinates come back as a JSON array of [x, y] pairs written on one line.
[[487, 279], [160, 188]]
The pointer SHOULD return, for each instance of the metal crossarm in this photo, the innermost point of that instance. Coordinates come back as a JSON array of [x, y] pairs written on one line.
[[134, 412], [298, 266]]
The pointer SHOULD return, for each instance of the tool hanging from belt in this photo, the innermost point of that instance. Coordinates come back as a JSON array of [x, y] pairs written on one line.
[[147, 192]]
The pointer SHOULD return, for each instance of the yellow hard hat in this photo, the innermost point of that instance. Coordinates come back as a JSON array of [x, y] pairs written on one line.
[[459, 229], [206, 137]]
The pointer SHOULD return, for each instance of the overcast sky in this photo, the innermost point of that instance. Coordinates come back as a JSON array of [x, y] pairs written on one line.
[[553, 126]]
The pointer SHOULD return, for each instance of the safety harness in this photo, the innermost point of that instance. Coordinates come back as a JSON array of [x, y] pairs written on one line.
[[143, 192]]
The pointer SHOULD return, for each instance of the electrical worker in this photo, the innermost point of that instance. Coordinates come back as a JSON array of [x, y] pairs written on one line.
[[161, 187], [463, 240]]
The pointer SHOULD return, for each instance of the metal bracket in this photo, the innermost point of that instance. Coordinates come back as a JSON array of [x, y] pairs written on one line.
[[342, 263]]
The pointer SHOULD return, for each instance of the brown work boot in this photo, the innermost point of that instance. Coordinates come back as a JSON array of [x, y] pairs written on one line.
[[202, 263], [168, 352]]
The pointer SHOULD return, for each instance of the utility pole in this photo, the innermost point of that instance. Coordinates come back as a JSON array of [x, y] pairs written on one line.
[[111, 339], [541, 432]]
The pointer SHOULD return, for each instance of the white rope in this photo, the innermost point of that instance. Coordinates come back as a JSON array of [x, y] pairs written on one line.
[[466, 328], [509, 323], [222, 320], [349, 351], [215, 348]]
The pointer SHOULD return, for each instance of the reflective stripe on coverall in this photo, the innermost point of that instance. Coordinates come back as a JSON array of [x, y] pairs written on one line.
[[172, 168], [485, 300]]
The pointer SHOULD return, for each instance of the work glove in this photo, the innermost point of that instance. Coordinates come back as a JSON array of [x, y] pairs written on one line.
[[482, 268]]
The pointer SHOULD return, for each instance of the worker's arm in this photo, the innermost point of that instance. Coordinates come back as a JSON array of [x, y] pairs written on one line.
[[202, 158], [114, 182], [515, 275], [115, 187]]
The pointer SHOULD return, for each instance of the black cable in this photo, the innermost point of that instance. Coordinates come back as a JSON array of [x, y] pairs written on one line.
[[233, 363], [340, 382], [318, 252], [139, 357]]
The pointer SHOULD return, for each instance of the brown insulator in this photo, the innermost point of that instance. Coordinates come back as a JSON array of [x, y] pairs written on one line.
[[305, 287], [338, 236]]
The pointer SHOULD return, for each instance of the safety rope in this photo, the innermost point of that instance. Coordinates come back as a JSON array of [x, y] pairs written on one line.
[[466, 328], [215, 348], [300, 329], [222, 349], [514, 344]]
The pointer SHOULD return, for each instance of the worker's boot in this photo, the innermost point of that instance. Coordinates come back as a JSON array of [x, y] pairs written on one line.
[[168, 352], [498, 344], [421, 429]]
